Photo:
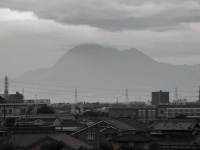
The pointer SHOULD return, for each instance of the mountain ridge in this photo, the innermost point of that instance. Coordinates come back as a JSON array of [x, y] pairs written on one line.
[[93, 65]]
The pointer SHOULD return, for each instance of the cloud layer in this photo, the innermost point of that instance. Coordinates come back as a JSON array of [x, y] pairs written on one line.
[[114, 15], [35, 33]]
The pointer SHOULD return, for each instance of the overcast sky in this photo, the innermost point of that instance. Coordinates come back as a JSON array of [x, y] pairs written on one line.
[[35, 33]]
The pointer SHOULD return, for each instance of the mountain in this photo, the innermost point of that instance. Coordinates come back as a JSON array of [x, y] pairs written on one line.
[[93, 66]]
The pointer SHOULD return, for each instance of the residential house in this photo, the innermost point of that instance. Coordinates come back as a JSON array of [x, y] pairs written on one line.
[[175, 133], [10, 113], [191, 110], [143, 114], [131, 141], [95, 134], [102, 131], [70, 142]]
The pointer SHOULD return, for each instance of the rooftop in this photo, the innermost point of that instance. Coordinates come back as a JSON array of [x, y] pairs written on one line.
[[132, 138], [70, 141], [23, 140], [173, 124]]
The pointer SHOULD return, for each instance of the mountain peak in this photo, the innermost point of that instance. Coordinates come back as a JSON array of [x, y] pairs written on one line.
[[88, 49], [97, 54], [134, 50], [136, 54], [93, 66], [89, 46]]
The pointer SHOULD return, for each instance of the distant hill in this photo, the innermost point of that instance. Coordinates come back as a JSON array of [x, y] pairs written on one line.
[[93, 66]]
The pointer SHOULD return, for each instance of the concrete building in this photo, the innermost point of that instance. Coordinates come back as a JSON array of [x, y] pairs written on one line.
[[143, 114], [171, 111], [15, 98], [11, 112], [47, 101], [176, 134], [160, 97]]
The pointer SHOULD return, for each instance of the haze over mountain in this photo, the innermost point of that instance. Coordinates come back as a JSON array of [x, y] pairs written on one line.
[[91, 66]]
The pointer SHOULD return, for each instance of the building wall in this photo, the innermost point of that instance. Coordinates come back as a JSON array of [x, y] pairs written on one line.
[[99, 136], [143, 114], [104, 139], [133, 145], [46, 101], [189, 112], [82, 136], [160, 97], [162, 113], [15, 98], [10, 111], [121, 112], [171, 111]]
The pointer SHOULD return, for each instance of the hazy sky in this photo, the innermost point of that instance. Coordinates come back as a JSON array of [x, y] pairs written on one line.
[[35, 33]]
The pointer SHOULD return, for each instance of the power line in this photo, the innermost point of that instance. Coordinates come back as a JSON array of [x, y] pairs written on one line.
[[93, 88]]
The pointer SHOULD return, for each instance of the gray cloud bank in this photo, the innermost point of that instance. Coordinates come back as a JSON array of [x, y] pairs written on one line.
[[114, 15]]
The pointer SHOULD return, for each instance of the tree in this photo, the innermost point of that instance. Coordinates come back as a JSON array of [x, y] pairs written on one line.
[[45, 110], [153, 146], [181, 116], [53, 146], [8, 146]]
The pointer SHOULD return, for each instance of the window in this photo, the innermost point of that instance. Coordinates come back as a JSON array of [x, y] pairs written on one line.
[[90, 136], [10, 111], [161, 111], [3, 111], [23, 110], [131, 145], [109, 136]]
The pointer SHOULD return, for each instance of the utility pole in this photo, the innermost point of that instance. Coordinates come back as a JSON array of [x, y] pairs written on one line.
[[23, 93], [176, 93], [117, 103], [6, 94], [199, 94], [76, 97], [159, 97], [4, 119]]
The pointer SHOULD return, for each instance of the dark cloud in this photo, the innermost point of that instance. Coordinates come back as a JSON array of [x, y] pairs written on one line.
[[113, 15]]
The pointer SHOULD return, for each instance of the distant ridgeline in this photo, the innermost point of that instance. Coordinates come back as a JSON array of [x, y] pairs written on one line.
[[102, 74]]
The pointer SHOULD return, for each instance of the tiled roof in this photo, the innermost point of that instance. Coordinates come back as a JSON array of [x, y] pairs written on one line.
[[91, 126], [71, 123], [174, 141], [132, 138], [39, 116], [47, 120], [70, 141], [110, 127], [121, 125], [134, 123], [23, 140], [173, 124]]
